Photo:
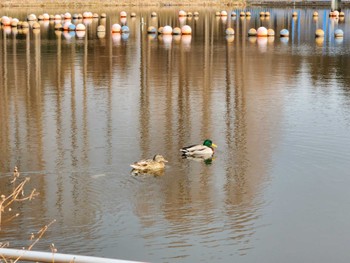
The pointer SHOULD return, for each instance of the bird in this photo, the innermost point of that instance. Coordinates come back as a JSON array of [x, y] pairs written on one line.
[[149, 165], [205, 150]]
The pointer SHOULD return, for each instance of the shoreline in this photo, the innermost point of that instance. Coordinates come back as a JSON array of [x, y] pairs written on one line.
[[171, 3]]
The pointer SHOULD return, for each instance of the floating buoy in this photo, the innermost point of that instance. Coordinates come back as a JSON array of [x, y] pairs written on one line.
[[295, 14], [151, 30], [186, 30], [284, 33], [336, 13], [87, 15], [167, 30], [315, 14], [223, 13], [25, 24], [153, 14], [75, 16], [67, 16], [58, 26], [189, 14], [103, 15], [182, 13], [36, 25], [123, 14], [71, 27], [40, 17], [262, 13], [101, 28], [230, 31], [14, 23], [241, 14], [116, 28], [252, 32], [177, 31], [95, 15], [132, 14], [261, 32], [341, 14], [52, 17], [57, 17], [31, 17], [267, 13], [248, 13], [270, 32], [233, 13], [217, 13], [338, 33], [195, 13], [5, 21], [125, 29], [319, 33], [80, 27], [160, 30]]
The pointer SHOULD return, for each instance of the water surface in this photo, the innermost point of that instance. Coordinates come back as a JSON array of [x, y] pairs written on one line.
[[75, 111]]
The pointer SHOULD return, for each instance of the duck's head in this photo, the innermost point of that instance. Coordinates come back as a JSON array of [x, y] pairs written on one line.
[[209, 143], [159, 158]]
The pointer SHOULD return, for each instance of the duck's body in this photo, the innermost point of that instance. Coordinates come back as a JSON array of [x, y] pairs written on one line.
[[149, 165], [204, 150]]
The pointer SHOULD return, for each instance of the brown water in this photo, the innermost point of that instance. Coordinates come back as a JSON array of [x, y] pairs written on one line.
[[76, 111]]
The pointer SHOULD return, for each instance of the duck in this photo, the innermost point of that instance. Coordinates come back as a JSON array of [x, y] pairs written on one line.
[[149, 165], [205, 150]]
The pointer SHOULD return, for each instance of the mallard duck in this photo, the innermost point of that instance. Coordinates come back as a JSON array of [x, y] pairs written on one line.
[[199, 150], [149, 165]]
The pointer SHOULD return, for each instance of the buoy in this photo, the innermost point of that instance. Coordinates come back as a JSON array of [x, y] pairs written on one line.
[[153, 14], [151, 30], [75, 16], [319, 33], [195, 13], [25, 24], [248, 13], [189, 14], [101, 28], [177, 31], [315, 14], [295, 14], [262, 13], [336, 13], [160, 30], [52, 17], [252, 32], [132, 14], [125, 29], [58, 26], [123, 14], [116, 28], [14, 23], [5, 21], [103, 15], [223, 13], [40, 17], [241, 14], [95, 15], [217, 13], [36, 25], [87, 15], [267, 13], [270, 32], [233, 13], [80, 27], [71, 27], [261, 32], [31, 17], [341, 14], [186, 30], [167, 30], [284, 33], [58, 17], [67, 16], [230, 31], [182, 13], [338, 33]]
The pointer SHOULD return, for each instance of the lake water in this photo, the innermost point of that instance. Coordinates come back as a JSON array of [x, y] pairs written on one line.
[[76, 111]]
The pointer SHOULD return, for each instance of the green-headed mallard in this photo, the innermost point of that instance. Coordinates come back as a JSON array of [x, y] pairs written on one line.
[[199, 150], [150, 165]]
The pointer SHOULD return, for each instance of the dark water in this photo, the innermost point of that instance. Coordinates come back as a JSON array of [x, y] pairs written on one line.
[[76, 111]]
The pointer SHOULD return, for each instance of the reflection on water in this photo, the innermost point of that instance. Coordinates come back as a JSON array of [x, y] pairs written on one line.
[[77, 109]]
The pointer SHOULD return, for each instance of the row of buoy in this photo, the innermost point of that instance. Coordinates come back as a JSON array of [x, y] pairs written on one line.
[[168, 30], [183, 13], [117, 28]]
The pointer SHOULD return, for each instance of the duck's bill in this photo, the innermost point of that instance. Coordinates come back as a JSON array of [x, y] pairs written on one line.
[[214, 145]]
